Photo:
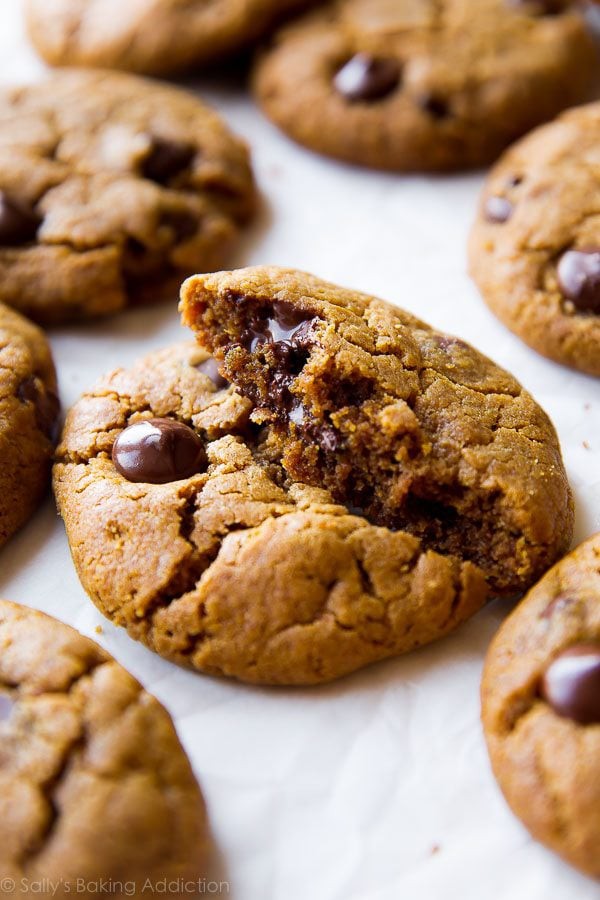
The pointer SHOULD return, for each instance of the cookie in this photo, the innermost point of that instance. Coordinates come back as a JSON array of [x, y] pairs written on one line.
[[535, 247], [211, 544], [541, 708], [414, 428], [149, 36], [28, 412], [112, 189], [431, 85], [95, 786]]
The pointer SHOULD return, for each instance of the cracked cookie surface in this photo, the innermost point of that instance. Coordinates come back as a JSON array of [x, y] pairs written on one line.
[[28, 412], [112, 189], [94, 783], [412, 428], [237, 570], [535, 247], [424, 84], [541, 708], [149, 36]]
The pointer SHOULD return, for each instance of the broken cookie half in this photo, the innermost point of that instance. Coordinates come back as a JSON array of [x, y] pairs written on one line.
[[335, 484]]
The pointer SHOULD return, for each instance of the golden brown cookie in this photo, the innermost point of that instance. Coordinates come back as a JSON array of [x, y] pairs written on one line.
[[414, 428], [94, 784], [112, 188], [535, 247], [424, 84], [149, 36], [541, 708], [206, 544], [28, 413]]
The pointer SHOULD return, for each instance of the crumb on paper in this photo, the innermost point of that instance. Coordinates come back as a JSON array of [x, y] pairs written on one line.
[[435, 849], [99, 629], [586, 444]]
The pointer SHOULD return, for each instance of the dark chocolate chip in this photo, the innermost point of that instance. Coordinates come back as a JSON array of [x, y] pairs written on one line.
[[166, 160], [6, 706], [18, 223], [514, 181], [366, 78], [571, 684], [579, 278], [435, 106], [183, 223], [157, 451], [210, 368], [46, 403], [497, 209], [541, 7], [285, 325]]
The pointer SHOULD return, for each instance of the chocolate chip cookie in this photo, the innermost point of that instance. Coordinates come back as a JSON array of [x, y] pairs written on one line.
[[535, 247], [112, 188], [149, 36], [213, 542], [94, 784], [28, 413], [541, 708], [424, 84]]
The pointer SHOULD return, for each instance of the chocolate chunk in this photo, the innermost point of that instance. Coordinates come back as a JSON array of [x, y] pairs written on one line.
[[210, 368], [166, 160], [435, 105], [571, 684], [497, 209], [285, 325], [18, 224], [6, 706], [157, 451], [365, 77], [579, 278], [46, 404]]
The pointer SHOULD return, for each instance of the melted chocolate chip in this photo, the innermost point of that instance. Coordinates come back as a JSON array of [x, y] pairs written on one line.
[[6, 706], [157, 451], [46, 404], [366, 78], [18, 224], [497, 209], [285, 325], [579, 278], [436, 106], [210, 368], [166, 160], [571, 684]]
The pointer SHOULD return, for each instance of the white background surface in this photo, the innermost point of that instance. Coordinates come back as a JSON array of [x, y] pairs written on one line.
[[377, 787]]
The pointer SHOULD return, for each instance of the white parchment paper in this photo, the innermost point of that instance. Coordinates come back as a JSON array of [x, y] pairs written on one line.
[[377, 787]]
